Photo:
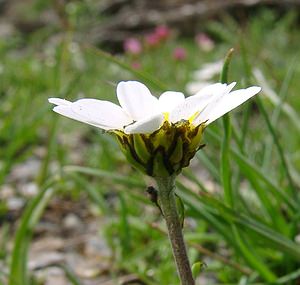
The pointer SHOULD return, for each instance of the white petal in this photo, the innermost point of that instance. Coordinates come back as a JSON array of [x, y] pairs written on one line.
[[210, 89], [169, 100], [146, 126], [59, 101], [227, 103], [185, 110], [199, 102], [136, 99], [215, 89], [68, 112], [102, 113], [210, 99]]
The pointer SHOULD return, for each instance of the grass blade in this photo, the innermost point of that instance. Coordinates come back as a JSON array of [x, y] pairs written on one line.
[[18, 272], [127, 181]]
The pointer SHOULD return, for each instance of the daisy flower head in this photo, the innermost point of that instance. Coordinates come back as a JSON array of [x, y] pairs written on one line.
[[157, 135]]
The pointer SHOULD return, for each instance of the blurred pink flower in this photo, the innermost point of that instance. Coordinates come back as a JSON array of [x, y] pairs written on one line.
[[152, 40], [136, 65], [132, 46], [179, 53], [204, 42], [162, 32]]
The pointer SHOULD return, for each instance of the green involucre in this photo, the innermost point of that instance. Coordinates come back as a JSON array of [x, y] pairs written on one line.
[[164, 152]]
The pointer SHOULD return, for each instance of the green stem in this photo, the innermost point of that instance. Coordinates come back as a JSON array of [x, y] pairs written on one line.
[[166, 196]]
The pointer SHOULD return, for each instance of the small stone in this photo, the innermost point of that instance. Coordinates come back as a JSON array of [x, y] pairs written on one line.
[[48, 243], [29, 189], [15, 203], [44, 259], [52, 275], [6, 192], [72, 221], [6, 29], [96, 246], [25, 171]]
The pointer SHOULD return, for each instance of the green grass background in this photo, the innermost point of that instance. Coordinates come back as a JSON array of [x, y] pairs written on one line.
[[255, 230]]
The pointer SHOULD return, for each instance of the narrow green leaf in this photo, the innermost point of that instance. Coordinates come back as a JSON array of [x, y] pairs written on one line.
[[125, 233], [205, 160], [289, 277], [287, 109], [278, 147], [252, 259], [247, 167], [187, 195], [124, 180], [225, 147], [18, 274], [137, 186], [224, 73], [92, 191], [70, 274], [208, 206]]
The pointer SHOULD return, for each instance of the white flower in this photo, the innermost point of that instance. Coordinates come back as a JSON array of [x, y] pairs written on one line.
[[141, 112], [208, 70], [157, 135], [203, 76]]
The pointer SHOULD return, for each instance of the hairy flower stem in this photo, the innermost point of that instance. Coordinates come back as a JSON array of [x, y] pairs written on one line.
[[167, 201]]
